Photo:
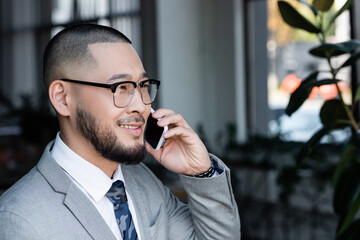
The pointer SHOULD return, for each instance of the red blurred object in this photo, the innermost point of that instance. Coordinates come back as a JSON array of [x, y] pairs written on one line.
[[290, 83], [314, 92], [328, 92], [343, 86]]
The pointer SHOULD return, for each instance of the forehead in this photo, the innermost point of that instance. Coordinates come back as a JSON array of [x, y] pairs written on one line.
[[116, 58]]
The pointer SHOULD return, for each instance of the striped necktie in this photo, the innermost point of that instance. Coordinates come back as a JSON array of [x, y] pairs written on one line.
[[117, 196]]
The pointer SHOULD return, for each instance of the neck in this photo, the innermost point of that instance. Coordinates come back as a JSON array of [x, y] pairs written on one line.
[[84, 149], [107, 166]]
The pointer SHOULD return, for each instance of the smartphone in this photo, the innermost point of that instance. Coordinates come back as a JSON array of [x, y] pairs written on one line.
[[154, 133]]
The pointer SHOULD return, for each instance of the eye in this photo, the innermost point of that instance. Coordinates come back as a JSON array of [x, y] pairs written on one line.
[[124, 88], [146, 85]]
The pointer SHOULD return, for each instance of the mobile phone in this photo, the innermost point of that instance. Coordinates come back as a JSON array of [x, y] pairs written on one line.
[[154, 133]]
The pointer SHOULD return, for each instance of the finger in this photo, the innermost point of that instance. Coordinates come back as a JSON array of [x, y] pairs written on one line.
[[173, 119], [154, 153], [187, 135], [162, 112], [149, 149]]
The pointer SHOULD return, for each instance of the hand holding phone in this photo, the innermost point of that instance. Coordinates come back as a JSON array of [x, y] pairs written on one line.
[[184, 152], [154, 133]]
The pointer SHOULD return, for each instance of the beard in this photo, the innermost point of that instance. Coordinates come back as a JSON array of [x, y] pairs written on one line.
[[105, 141]]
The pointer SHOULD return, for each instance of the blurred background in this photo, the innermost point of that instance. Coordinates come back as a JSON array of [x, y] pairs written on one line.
[[229, 66]]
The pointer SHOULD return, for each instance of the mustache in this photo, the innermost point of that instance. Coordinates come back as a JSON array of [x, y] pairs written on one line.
[[131, 119]]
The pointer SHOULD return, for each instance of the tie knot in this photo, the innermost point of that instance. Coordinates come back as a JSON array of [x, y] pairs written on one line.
[[117, 194]]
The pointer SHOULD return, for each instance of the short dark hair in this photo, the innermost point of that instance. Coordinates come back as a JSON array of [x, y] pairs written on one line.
[[70, 47]]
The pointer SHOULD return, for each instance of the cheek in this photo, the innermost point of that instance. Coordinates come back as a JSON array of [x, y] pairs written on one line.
[[147, 112], [102, 97], [101, 105]]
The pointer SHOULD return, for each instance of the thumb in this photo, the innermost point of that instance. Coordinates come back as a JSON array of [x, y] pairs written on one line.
[[154, 153]]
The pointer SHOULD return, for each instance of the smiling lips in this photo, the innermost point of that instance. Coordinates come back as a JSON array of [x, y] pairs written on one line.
[[133, 129], [129, 127]]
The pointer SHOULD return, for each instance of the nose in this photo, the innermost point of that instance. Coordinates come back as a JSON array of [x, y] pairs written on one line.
[[136, 104]]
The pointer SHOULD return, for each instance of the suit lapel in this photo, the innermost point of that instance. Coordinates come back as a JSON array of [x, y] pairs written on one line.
[[75, 200], [87, 214], [138, 200]]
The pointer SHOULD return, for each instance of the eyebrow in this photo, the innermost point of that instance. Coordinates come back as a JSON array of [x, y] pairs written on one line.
[[119, 76], [126, 76]]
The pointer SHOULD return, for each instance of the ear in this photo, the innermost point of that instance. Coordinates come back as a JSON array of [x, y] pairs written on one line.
[[58, 95]]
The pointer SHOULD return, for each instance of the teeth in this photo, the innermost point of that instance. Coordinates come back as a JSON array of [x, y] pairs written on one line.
[[129, 127]]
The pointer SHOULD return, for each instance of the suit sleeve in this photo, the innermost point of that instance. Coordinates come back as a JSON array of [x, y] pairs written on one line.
[[211, 212], [10, 224], [212, 205]]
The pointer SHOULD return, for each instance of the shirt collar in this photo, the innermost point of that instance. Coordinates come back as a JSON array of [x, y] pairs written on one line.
[[94, 181]]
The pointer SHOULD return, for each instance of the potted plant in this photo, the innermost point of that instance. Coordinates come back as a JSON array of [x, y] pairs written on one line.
[[334, 113]]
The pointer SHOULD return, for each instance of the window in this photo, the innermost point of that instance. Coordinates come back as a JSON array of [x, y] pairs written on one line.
[[123, 15], [289, 62], [26, 26]]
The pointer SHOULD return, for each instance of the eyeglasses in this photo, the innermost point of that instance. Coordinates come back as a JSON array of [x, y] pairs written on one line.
[[124, 91]]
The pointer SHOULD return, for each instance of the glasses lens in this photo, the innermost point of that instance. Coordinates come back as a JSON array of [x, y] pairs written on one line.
[[123, 94], [125, 91], [148, 91]]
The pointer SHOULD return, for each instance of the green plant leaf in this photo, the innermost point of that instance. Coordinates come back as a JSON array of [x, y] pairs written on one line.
[[299, 96], [352, 59], [310, 144], [331, 112], [357, 94], [331, 50], [321, 82], [346, 157], [352, 232], [354, 209], [295, 19], [322, 5], [309, 6], [347, 189], [310, 78], [344, 7]]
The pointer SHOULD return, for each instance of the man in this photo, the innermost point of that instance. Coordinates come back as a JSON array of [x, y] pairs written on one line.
[[102, 97]]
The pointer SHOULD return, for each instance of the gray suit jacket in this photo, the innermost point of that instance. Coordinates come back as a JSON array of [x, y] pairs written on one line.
[[46, 204]]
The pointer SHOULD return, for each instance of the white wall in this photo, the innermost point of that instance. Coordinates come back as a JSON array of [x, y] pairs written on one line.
[[258, 66], [240, 68], [196, 53], [179, 59]]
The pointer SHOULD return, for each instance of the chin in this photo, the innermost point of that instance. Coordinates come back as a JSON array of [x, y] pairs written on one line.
[[129, 155], [137, 140]]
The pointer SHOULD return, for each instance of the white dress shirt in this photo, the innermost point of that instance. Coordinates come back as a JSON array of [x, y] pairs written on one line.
[[93, 182]]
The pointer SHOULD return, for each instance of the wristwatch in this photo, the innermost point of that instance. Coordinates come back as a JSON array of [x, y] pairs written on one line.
[[211, 171]]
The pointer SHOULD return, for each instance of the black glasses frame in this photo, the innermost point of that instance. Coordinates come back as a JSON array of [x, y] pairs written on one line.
[[115, 85]]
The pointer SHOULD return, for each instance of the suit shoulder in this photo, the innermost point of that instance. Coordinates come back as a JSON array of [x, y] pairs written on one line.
[[142, 170], [144, 177], [24, 192]]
